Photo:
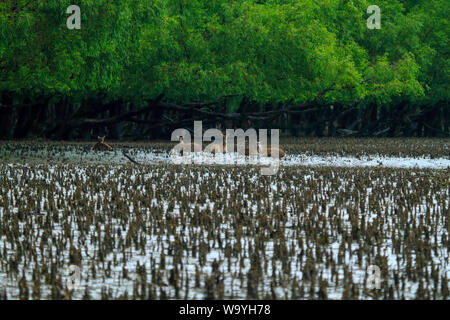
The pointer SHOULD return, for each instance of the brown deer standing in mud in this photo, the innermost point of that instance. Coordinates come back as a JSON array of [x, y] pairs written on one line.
[[216, 146], [242, 147], [248, 152], [192, 147], [101, 145], [271, 151]]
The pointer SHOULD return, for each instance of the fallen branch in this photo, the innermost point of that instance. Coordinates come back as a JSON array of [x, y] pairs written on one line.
[[129, 158]]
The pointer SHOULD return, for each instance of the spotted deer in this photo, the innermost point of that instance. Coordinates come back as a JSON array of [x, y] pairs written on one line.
[[193, 147], [248, 152], [271, 151], [101, 145], [216, 146]]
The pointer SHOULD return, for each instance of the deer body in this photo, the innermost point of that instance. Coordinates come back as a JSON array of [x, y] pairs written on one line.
[[248, 152], [192, 147], [101, 145], [272, 151], [219, 148]]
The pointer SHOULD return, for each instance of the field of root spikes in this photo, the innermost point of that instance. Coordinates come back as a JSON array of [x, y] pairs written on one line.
[[159, 230]]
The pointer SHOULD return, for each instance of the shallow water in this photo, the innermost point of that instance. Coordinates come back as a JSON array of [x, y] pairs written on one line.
[[145, 156], [334, 216]]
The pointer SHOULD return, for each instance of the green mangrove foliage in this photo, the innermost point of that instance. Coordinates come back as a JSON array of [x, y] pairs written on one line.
[[259, 55]]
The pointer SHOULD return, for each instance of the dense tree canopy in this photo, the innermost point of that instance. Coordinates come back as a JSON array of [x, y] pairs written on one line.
[[273, 53]]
